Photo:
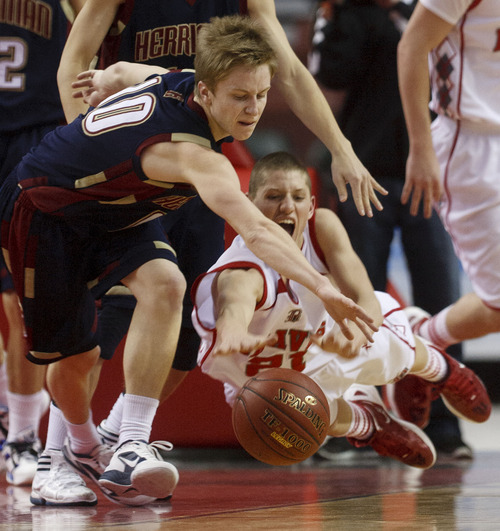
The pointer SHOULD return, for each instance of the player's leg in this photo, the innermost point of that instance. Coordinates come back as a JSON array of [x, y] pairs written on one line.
[[473, 221], [462, 391], [61, 334], [27, 401], [363, 419], [149, 350], [436, 374], [56, 482], [468, 318], [197, 235], [115, 310]]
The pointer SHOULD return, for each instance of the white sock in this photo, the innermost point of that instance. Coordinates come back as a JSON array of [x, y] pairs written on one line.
[[83, 437], [437, 332], [362, 426], [137, 420], [114, 419], [436, 367], [24, 415], [56, 430]]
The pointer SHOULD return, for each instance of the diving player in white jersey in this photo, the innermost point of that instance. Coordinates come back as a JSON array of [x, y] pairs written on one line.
[[250, 318], [455, 165]]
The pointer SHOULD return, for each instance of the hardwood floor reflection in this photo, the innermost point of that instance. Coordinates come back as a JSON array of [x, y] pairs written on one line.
[[225, 489]]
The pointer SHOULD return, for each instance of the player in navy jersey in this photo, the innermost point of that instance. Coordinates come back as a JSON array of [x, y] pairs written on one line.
[[89, 193], [164, 34], [31, 43]]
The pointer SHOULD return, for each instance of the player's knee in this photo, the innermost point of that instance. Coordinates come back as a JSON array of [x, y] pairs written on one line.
[[166, 291], [73, 368]]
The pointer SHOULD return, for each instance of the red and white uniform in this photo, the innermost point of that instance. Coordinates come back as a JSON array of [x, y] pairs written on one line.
[[465, 80], [293, 312]]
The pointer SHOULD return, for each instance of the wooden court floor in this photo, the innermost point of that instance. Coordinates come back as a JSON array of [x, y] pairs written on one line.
[[225, 489]]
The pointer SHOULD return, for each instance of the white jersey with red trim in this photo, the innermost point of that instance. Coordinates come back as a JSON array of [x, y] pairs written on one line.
[[465, 67], [293, 313]]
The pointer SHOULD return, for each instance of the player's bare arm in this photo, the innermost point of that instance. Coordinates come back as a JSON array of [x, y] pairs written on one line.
[[295, 81], [218, 185], [94, 86], [422, 182], [349, 274], [236, 293], [86, 35]]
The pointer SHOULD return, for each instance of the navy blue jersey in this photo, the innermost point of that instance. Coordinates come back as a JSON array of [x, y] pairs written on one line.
[[162, 32], [32, 37], [89, 171]]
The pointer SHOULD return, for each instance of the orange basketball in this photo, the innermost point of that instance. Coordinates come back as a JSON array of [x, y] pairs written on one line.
[[281, 416]]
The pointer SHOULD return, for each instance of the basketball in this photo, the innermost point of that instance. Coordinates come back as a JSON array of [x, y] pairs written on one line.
[[281, 416]]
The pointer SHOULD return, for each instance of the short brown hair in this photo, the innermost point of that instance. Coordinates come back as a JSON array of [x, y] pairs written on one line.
[[280, 160], [227, 42]]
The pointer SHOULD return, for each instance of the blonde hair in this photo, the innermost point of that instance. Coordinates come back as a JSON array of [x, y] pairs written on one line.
[[280, 160], [228, 42]]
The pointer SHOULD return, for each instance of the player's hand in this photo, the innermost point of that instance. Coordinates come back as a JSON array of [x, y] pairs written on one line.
[[346, 312], [230, 342], [92, 87], [337, 343], [423, 183], [347, 169]]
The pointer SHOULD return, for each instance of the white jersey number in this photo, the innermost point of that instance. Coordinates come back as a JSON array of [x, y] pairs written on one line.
[[123, 113], [13, 58]]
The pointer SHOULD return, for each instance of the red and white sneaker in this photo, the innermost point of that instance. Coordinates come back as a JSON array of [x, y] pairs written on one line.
[[410, 399], [463, 392], [393, 438]]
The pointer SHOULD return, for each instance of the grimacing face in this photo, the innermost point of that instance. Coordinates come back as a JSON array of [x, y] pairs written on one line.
[[285, 198], [237, 103]]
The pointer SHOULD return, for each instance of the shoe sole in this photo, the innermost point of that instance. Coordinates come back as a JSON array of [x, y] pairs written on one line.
[[43, 501], [421, 434], [128, 498], [147, 479], [461, 415], [479, 418]]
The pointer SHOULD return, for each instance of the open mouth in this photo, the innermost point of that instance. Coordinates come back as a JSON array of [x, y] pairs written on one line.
[[288, 225]]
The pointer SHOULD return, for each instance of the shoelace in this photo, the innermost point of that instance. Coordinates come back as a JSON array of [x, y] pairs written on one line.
[[154, 448], [157, 447]]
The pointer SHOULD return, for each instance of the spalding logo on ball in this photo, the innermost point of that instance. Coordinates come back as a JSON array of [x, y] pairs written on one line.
[[281, 416]]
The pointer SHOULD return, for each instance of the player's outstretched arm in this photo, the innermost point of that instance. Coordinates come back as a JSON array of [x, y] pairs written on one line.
[[423, 33], [218, 185], [307, 101], [236, 293]]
